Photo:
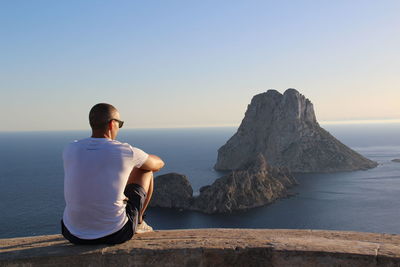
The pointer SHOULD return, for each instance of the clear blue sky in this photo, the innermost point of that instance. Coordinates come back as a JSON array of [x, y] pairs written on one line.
[[194, 63]]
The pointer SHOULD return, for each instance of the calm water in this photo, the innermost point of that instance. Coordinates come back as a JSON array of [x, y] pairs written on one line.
[[31, 182]]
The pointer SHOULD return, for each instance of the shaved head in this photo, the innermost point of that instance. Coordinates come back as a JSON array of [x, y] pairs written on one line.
[[101, 114]]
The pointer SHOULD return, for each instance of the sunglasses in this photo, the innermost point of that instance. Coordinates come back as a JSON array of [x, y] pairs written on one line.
[[119, 122]]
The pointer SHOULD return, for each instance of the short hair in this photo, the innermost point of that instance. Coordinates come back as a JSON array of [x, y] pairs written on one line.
[[100, 114]]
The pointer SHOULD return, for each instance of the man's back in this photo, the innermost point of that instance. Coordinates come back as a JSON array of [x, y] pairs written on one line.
[[96, 173]]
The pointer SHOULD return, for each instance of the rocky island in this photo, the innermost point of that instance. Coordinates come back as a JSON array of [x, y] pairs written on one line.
[[278, 135], [284, 129], [172, 190], [255, 185]]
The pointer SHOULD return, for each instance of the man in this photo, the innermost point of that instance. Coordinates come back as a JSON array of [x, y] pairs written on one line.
[[107, 184]]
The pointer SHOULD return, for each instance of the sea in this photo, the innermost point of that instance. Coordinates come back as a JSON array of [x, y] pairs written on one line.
[[31, 182]]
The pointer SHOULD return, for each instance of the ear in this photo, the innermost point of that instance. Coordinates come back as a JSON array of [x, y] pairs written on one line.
[[111, 126]]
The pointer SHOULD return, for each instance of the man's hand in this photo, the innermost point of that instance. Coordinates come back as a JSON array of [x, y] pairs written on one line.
[[153, 163]]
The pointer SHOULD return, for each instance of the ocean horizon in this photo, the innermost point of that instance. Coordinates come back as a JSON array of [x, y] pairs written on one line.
[[327, 123]]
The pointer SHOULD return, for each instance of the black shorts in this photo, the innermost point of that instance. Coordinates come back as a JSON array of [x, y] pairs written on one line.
[[136, 197]]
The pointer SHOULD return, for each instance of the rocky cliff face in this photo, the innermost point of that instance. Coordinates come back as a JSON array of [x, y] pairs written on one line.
[[172, 190], [284, 129], [256, 185]]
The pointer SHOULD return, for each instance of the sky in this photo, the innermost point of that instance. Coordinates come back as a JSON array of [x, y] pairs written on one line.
[[194, 63]]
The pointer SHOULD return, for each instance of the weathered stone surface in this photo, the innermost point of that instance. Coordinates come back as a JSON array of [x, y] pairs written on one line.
[[255, 185], [396, 160], [283, 127], [172, 190], [212, 247]]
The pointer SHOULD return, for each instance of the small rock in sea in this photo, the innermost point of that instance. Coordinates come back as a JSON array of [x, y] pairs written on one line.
[[396, 160], [172, 190]]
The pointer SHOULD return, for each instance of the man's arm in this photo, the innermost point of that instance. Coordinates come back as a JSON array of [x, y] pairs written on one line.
[[153, 163]]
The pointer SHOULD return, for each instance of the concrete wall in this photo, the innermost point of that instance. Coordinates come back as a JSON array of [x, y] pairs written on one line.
[[212, 247]]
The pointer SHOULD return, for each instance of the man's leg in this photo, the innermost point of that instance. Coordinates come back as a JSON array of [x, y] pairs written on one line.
[[144, 179]]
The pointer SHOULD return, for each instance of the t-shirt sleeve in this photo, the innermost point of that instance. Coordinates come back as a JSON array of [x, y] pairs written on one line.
[[139, 157]]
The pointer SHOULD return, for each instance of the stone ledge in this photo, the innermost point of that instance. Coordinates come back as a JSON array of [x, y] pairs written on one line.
[[210, 247]]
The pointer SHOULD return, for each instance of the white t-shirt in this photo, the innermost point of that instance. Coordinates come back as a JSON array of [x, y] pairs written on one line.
[[96, 171]]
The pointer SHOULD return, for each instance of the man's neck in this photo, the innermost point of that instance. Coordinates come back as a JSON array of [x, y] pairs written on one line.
[[100, 135]]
